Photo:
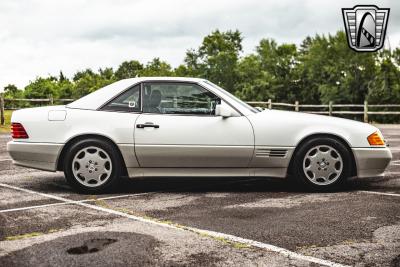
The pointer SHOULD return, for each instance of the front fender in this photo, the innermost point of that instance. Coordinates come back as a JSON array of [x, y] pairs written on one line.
[[283, 128]]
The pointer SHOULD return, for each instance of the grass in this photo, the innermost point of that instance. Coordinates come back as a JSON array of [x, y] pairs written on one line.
[[7, 116], [228, 242], [30, 235]]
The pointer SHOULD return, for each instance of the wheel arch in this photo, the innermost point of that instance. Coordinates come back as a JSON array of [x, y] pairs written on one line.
[[77, 138], [319, 135]]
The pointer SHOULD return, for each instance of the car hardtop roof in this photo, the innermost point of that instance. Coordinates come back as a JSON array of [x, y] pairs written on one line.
[[167, 78], [97, 98]]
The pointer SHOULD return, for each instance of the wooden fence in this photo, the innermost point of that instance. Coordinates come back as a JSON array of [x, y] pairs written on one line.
[[47, 101], [328, 109]]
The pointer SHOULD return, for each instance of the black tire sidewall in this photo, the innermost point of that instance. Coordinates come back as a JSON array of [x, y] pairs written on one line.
[[75, 148], [297, 168]]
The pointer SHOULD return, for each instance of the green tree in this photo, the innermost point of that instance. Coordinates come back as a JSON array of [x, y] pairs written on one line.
[[385, 88], [253, 84], [41, 88], [270, 73], [217, 57], [183, 71], [128, 69], [107, 74], [79, 74], [156, 67], [338, 73], [11, 91], [280, 62]]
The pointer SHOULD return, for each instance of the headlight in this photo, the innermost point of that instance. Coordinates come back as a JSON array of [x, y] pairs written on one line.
[[376, 139]]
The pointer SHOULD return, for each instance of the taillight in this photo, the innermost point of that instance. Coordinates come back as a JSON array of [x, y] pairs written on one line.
[[18, 131]]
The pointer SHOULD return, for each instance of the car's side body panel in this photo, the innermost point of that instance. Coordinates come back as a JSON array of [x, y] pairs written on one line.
[[116, 126], [285, 128], [371, 162], [41, 156], [251, 144], [194, 141], [271, 157], [204, 172], [193, 156], [40, 129]]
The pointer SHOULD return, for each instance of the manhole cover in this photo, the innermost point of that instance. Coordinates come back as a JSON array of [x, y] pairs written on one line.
[[92, 246]]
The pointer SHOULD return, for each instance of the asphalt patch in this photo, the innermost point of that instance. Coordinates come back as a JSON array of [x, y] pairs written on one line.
[[92, 246], [396, 261], [107, 249], [14, 225], [203, 259]]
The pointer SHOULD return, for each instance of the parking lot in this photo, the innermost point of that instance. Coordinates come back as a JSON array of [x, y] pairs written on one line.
[[198, 221]]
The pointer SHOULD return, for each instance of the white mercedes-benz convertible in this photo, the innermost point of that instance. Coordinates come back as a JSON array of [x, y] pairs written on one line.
[[189, 127]]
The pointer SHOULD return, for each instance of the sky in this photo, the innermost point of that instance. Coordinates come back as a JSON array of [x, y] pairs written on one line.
[[42, 37]]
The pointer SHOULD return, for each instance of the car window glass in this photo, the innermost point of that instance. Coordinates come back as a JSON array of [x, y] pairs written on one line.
[[178, 98], [128, 101], [232, 97]]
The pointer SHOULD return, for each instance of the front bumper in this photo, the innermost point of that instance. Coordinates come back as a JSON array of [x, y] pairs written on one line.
[[371, 162], [42, 156]]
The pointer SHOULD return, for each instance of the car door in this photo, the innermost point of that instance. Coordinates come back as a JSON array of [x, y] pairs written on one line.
[[179, 128], [116, 119]]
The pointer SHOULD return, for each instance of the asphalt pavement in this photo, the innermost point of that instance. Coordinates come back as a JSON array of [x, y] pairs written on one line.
[[199, 221]]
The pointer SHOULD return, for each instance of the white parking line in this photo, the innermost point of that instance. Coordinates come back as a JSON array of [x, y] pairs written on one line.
[[233, 238], [380, 193], [106, 198], [74, 202]]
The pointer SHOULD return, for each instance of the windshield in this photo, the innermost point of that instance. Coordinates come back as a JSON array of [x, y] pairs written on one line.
[[232, 97]]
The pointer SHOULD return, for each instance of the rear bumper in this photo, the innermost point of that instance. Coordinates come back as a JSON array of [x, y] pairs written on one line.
[[371, 162], [42, 156]]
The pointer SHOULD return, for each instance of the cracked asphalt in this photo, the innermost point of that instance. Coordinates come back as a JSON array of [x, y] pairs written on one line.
[[359, 226]]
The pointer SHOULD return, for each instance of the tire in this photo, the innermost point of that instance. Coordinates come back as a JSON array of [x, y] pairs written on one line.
[[92, 166], [321, 164]]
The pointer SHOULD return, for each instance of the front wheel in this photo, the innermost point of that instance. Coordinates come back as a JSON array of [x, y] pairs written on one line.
[[92, 166], [322, 164]]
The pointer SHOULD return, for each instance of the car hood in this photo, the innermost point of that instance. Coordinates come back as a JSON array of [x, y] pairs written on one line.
[[308, 117]]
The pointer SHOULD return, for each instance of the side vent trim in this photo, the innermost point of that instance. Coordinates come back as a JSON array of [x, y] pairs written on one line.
[[271, 153]]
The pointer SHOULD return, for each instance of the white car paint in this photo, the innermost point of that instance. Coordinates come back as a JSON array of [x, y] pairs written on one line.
[[246, 143]]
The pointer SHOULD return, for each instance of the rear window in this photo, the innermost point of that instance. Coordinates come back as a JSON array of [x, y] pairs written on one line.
[[129, 101]]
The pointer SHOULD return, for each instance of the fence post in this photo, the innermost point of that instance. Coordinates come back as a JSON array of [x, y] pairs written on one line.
[[51, 100], [270, 103], [330, 108], [296, 106], [365, 111], [2, 120]]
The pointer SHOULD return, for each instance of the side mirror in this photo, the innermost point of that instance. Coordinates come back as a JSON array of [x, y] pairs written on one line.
[[223, 110]]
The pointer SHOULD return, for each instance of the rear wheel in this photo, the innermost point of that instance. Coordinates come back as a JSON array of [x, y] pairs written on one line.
[[322, 164], [92, 166]]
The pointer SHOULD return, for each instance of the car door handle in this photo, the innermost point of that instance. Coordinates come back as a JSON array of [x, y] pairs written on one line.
[[147, 124]]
